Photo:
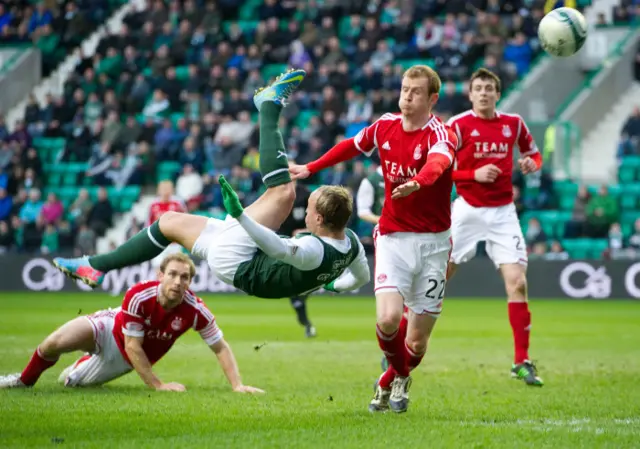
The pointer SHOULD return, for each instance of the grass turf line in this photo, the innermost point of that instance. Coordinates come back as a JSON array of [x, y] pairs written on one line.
[[318, 390]]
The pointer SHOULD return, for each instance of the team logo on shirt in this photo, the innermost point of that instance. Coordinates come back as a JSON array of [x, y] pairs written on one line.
[[382, 278], [506, 131], [417, 153], [176, 324]]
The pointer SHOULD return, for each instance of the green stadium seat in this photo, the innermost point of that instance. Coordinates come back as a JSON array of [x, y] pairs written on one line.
[[629, 196], [552, 221], [182, 73], [304, 117], [585, 248], [270, 71], [167, 170], [629, 168], [175, 116]]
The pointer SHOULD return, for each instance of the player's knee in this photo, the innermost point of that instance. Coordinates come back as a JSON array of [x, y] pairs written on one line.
[[170, 220], [52, 345], [451, 270], [286, 193], [389, 320], [417, 346], [516, 285]]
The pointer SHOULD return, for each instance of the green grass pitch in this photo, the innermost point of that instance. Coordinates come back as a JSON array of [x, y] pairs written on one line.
[[318, 390]]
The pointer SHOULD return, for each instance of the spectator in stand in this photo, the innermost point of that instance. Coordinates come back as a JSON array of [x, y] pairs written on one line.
[[6, 237], [101, 215], [634, 238], [550, 5], [602, 211], [6, 204], [556, 252], [50, 242], [52, 210], [85, 243], [32, 208], [534, 233], [81, 207], [630, 136], [189, 187], [576, 226]]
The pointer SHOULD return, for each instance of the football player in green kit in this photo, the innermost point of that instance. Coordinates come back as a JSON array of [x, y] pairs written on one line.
[[243, 250]]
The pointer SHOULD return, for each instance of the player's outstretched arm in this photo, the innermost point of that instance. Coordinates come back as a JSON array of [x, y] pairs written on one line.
[[343, 151], [355, 276], [229, 366], [140, 363]]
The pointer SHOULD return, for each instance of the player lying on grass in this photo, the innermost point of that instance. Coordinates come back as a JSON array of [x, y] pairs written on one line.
[[243, 250], [153, 315]]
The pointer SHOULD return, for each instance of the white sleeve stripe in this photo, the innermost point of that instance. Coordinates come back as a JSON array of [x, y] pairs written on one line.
[[459, 135], [131, 314], [358, 146], [519, 129], [206, 313], [375, 136], [140, 297], [209, 333], [129, 333], [441, 151], [440, 130]]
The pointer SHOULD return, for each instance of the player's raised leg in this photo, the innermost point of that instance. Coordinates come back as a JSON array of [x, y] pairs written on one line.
[[75, 335], [274, 206]]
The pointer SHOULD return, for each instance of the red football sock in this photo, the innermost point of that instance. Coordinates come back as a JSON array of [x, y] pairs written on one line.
[[390, 374], [37, 365], [520, 319], [414, 358], [393, 348], [387, 377]]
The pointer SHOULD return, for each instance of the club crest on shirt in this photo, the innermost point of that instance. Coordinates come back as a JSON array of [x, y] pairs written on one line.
[[506, 131], [176, 324], [417, 153]]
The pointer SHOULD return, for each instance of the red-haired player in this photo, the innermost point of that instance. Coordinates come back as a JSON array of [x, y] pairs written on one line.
[[413, 240]]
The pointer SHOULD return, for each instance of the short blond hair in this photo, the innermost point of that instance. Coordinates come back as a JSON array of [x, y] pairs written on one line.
[[179, 257], [335, 205], [486, 75], [424, 71]]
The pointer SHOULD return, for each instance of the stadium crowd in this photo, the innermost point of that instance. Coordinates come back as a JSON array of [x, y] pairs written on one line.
[[54, 27], [172, 90]]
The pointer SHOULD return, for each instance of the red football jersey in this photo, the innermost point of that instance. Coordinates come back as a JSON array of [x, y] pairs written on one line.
[[159, 207], [402, 155], [489, 141], [142, 315]]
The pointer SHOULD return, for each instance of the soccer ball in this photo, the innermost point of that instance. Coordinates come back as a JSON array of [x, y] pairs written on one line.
[[562, 32]]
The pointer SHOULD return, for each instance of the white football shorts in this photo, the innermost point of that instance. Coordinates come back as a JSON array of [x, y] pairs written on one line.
[[415, 265], [106, 363], [499, 227]]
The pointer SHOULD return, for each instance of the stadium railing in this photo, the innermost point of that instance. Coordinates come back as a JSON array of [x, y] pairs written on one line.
[[560, 144]]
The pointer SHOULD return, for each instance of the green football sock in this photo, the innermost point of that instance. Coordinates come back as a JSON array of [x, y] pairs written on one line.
[[274, 164], [143, 246]]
